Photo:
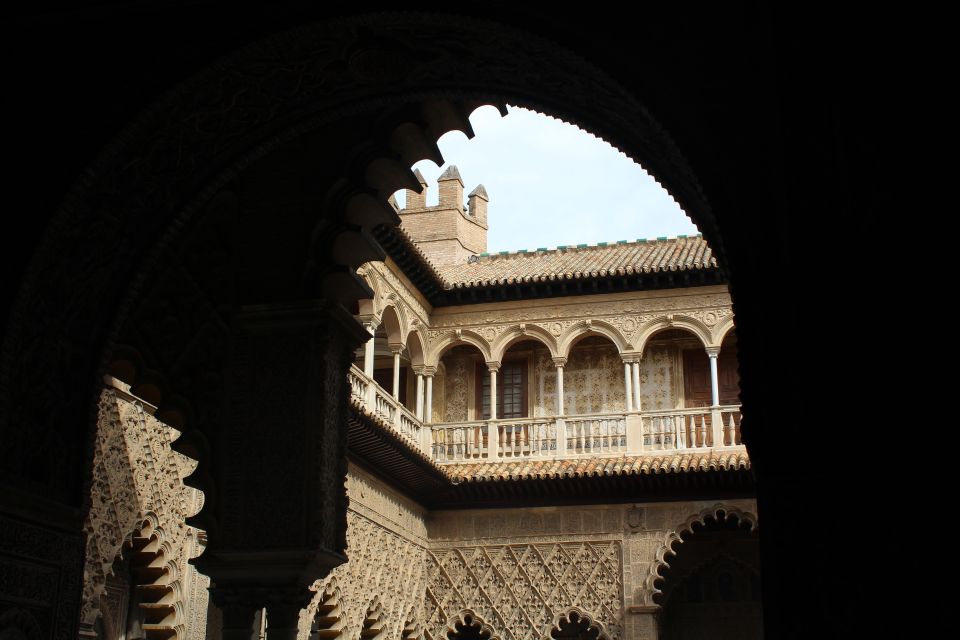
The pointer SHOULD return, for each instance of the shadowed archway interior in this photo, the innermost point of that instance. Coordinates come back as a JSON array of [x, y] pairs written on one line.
[[206, 256]]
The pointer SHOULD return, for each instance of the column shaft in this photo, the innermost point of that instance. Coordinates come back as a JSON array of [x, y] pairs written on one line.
[[428, 409], [419, 405], [396, 375], [636, 386], [559, 389], [368, 353], [628, 384], [714, 384]]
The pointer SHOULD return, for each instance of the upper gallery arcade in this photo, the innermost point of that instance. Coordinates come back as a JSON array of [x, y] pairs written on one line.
[[619, 348]]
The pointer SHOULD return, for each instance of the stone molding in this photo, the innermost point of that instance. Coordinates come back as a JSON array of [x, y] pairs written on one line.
[[492, 329]]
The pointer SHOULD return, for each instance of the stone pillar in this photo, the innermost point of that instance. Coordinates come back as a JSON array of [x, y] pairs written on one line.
[[238, 618], [282, 621], [635, 366], [396, 371], [284, 407], [559, 362], [628, 384], [642, 623]]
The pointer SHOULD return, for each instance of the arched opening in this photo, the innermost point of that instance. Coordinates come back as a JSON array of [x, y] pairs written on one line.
[[328, 618], [575, 626], [373, 622], [464, 368], [469, 627], [260, 364], [712, 585], [689, 391]]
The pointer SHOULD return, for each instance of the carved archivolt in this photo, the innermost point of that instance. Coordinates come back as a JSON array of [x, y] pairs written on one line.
[[686, 323], [385, 572], [629, 332], [468, 619], [675, 537], [138, 509], [576, 615]]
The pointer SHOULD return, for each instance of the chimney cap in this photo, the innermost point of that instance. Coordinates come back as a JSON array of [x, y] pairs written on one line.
[[480, 192], [451, 173]]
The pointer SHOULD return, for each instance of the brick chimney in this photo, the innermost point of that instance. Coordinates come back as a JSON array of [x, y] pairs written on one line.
[[451, 189], [417, 200]]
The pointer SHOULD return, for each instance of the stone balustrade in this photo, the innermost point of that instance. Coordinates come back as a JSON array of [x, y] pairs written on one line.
[[367, 394], [631, 433]]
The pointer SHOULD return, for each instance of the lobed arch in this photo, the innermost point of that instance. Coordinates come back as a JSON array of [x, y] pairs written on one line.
[[524, 66], [468, 619], [718, 511], [412, 629], [586, 328], [519, 333], [374, 621], [664, 323], [575, 615], [458, 337]]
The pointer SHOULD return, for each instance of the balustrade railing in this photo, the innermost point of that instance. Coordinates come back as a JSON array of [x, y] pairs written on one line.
[[691, 428], [512, 438], [596, 434], [358, 385], [370, 395], [552, 437]]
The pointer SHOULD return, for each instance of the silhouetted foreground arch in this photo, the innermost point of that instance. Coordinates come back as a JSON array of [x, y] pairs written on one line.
[[149, 259]]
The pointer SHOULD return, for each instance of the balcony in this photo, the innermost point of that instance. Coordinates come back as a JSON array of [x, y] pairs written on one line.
[[551, 437]]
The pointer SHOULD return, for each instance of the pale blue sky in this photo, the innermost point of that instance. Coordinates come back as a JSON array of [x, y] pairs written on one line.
[[551, 184]]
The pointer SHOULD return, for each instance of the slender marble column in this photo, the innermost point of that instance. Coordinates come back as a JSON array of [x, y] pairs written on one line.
[[419, 406], [493, 390], [368, 350], [428, 409], [714, 384], [396, 373], [629, 386], [636, 385], [560, 362]]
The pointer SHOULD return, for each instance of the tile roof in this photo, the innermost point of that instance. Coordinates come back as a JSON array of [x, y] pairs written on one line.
[[572, 263], [731, 459]]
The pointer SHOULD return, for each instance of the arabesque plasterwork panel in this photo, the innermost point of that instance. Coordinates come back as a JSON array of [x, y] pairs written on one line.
[[386, 551], [520, 589], [138, 478]]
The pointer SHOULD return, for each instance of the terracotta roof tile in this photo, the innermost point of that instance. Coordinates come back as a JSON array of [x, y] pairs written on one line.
[[723, 460], [570, 263]]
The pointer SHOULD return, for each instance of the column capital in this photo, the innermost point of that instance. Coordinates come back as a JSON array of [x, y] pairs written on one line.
[[397, 349], [428, 371], [419, 369], [559, 361], [493, 366], [713, 352], [631, 358]]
